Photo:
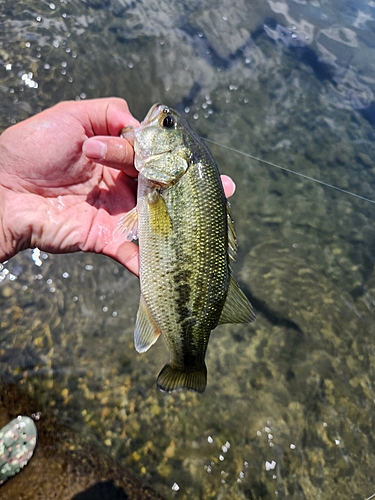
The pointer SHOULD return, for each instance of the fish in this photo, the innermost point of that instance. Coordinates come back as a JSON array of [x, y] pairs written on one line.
[[186, 241]]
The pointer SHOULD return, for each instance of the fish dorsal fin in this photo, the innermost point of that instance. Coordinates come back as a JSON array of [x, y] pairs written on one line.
[[237, 308], [232, 239], [127, 227], [146, 333]]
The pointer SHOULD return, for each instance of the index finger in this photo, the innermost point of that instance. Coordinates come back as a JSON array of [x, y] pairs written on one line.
[[104, 116]]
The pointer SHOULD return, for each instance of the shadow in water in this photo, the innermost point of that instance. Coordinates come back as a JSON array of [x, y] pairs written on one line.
[[104, 490]]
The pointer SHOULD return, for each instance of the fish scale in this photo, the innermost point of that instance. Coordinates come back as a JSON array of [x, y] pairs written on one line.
[[191, 264]]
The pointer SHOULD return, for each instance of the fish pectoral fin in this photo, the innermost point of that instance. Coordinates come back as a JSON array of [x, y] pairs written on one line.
[[173, 378], [146, 333], [160, 220], [237, 308], [127, 226]]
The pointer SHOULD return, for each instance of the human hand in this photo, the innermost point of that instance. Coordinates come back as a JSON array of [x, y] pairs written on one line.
[[56, 198], [66, 178]]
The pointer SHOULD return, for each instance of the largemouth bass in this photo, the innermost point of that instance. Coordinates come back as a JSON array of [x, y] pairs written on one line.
[[186, 239]]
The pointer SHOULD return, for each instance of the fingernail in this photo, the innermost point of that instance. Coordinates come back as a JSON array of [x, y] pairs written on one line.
[[94, 149]]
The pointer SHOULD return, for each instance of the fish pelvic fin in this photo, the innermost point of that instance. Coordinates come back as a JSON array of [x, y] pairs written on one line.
[[173, 378], [127, 227], [146, 333], [237, 308]]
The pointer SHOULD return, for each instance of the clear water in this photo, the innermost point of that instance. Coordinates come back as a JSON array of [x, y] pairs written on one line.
[[289, 411]]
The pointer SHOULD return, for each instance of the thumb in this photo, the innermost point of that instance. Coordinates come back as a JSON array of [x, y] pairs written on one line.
[[115, 152]]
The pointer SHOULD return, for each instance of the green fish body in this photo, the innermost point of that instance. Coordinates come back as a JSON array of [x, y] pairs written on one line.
[[185, 237]]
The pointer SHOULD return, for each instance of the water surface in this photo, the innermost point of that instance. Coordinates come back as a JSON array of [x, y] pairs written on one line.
[[289, 407]]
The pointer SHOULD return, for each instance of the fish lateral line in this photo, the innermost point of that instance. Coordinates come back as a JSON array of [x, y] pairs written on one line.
[[288, 170]]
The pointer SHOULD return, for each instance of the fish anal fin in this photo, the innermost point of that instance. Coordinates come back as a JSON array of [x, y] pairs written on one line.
[[173, 378], [127, 227], [146, 333], [237, 308]]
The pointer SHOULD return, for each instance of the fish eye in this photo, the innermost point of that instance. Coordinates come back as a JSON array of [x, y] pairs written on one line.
[[168, 121]]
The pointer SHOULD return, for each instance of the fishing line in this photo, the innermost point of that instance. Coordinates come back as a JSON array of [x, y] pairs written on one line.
[[331, 186]]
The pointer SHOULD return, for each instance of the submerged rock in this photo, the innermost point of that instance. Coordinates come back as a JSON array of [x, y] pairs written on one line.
[[65, 464]]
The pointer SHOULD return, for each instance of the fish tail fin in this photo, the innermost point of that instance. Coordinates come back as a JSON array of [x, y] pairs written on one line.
[[172, 378]]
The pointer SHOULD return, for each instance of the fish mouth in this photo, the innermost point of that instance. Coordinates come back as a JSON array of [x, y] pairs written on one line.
[[154, 112], [128, 133], [147, 157]]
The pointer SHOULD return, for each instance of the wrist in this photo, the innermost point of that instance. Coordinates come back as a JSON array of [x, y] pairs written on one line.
[[15, 214], [5, 246], [3, 254], [14, 225]]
